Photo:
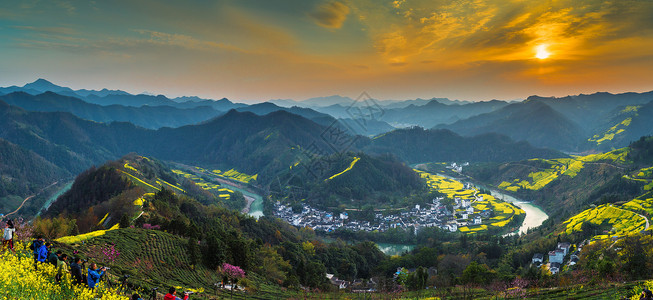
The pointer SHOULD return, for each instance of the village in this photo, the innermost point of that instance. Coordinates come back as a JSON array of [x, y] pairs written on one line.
[[435, 214], [557, 256]]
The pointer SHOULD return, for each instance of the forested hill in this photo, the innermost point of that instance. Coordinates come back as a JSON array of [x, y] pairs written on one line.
[[24, 173], [351, 180], [532, 121], [564, 185], [205, 235], [415, 145], [251, 143]]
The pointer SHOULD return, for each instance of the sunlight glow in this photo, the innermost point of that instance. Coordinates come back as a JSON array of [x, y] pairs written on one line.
[[541, 52]]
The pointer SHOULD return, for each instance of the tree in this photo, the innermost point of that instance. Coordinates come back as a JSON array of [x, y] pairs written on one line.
[[476, 273], [194, 251], [124, 221]]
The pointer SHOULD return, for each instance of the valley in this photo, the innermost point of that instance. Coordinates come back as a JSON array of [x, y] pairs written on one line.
[[301, 205]]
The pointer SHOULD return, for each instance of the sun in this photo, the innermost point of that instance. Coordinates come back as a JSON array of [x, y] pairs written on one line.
[[541, 52]]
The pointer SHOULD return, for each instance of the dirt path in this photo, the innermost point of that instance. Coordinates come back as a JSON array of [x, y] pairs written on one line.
[[30, 197]]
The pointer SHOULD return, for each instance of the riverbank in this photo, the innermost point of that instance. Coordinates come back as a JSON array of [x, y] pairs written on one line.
[[535, 216]]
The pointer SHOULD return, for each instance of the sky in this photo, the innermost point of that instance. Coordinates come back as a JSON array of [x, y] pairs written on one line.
[[249, 50]]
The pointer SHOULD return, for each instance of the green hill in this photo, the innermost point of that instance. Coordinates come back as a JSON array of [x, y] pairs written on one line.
[[351, 181], [417, 145], [563, 186], [24, 173], [119, 188]]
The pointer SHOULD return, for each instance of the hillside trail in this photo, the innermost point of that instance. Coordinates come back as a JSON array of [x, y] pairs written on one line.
[[30, 197]]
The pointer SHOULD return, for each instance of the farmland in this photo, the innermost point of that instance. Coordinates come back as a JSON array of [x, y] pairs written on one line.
[[552, 169], [503, 212]]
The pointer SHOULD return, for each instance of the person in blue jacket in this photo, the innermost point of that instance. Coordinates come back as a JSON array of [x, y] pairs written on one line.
[[42, 253], [36, 244], [94, 276]]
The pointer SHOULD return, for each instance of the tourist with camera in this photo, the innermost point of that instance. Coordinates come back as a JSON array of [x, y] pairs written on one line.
[[94, 275]]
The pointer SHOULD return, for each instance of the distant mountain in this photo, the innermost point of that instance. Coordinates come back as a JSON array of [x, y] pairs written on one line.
[[434, 113], [531, 121], [267, 107], [130, 100], [417, 145], [354, 127], [284, 102], [327, 101], [452, 102], [100, 93], [152, 117], [404, 103], [62, 138], [43, 85], [622, 126], [589, 111], [250, 143], [107, 97]]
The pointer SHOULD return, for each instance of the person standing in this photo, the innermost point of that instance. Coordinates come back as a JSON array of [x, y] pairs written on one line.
[[8, 236], [53, 258], [94, 276], [172, 295], [62, 267], [42, 253], [76, 271], [35, 246]]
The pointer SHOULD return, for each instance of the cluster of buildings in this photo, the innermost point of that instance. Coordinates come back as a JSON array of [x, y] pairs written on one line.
[[456, 167], [435, 214], [557, 257]]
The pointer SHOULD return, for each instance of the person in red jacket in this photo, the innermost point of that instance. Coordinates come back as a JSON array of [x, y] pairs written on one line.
[[171, 295]]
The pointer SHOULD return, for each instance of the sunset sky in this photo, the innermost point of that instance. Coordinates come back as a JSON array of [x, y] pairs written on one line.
[[249, 50]]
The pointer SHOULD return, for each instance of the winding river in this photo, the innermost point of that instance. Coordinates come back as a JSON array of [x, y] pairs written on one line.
[[535, 216]]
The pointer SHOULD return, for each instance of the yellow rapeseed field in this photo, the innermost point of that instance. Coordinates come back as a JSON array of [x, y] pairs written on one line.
[[20, 280]]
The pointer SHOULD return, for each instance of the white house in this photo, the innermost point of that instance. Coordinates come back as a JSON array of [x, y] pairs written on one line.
[[477, 220], [538, 258], [564, 247], [556, 256], [554, 268]]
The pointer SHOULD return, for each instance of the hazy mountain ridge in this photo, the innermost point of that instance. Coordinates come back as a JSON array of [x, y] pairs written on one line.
[[152, 117], [532, 121]]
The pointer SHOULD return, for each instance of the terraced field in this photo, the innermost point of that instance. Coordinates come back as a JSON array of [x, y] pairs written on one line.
[[618, 128], [621, 221], [504, 212], [559, 167], [213, 187], [151, 257]]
